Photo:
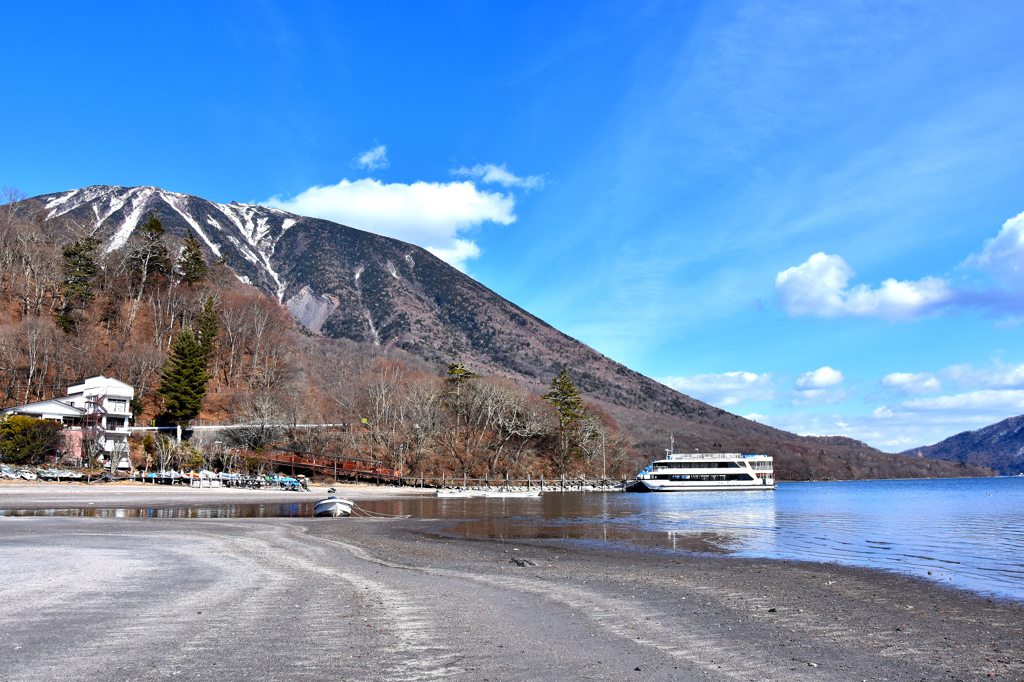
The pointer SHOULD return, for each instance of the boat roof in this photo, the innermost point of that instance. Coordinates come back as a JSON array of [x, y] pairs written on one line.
[[709, 455]]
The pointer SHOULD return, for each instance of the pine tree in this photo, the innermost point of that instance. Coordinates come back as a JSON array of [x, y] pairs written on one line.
[[566, 399], [149, 253], [208, 331], [192, 265], [183, 381], [77, 288]]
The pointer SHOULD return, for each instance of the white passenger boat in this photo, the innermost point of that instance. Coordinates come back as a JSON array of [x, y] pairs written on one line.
[[704, 472], [333, 506]]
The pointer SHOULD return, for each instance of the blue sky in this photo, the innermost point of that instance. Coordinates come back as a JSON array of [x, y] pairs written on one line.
[[802, 212]]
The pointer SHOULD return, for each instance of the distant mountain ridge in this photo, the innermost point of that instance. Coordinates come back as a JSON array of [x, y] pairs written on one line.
[[1000, 446], [342, 282]]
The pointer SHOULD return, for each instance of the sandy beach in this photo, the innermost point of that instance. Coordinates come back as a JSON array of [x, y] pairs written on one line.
[[370, 599]]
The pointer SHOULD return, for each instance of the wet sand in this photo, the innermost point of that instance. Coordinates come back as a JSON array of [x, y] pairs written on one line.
[[368, 599]]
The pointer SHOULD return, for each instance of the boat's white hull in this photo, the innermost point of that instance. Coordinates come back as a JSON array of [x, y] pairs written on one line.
[[459, 494], [463, 494], [333, 506], [512, 493], [699, 486]]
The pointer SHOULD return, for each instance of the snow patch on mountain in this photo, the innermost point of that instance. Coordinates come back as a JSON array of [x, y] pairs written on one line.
[[251, 230], [175, 202], [138, 208]]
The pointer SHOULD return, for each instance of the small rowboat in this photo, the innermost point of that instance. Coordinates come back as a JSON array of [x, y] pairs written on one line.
[[333, 506], [512, 493], [460, 493]]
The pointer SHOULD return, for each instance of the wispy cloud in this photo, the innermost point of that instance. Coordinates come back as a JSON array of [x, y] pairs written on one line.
[[724, 390], [373, 159], [501, 175], [430, 214], [985, 402], [999, 376], [916, 421]]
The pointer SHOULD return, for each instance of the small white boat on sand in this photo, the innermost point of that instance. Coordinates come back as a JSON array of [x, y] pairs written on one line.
[[333, 506]]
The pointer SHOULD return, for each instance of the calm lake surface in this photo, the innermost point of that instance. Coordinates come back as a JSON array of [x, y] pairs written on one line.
[[967, 532]]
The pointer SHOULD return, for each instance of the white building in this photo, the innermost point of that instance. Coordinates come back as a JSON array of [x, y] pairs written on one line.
[[99, 405]]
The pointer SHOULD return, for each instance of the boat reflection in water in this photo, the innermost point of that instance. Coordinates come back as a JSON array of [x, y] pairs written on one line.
[[697, 522]]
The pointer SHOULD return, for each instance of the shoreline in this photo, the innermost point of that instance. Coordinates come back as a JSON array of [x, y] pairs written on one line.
[[402, 599]]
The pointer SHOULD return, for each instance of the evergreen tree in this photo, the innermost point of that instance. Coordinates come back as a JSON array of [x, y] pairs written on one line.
[[183, 381], [452, 398], [208, 331], [149, 253], [458, 375], [566, 399], [24, 440], [77, 288], [191, 265]]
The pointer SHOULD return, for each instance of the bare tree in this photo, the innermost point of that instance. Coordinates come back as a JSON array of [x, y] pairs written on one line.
[[38, 340], [259, 424], [165, 450]]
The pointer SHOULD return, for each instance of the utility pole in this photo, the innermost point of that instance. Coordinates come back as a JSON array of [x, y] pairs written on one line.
[[604, 461]]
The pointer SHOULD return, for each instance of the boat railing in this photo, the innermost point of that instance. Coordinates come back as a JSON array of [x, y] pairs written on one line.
[[706, 455]]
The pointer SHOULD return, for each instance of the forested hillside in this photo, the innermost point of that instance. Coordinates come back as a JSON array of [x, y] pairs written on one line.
[[1000, 446], [91, 286], [70, 308]]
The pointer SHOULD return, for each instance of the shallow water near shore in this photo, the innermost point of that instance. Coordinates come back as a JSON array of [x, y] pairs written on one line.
[[966, 532]]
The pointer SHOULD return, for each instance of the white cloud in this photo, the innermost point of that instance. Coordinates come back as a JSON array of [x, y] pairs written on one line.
[[824, 377], [912, 384], [1003, 255], [1001, 376], [461, 251], [430, 214], [819, 386], [500, 174], [977, 402], [373, 159], [724, 390], [820, 286]]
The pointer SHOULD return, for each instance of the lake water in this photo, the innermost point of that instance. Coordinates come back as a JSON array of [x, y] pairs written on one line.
[[967, 532]]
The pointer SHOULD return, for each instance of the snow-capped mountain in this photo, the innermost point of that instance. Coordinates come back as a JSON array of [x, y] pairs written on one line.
[[248, 230], [345, 283]]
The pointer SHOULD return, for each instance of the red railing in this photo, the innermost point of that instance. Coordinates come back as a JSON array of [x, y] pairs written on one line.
[[326, 464]]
